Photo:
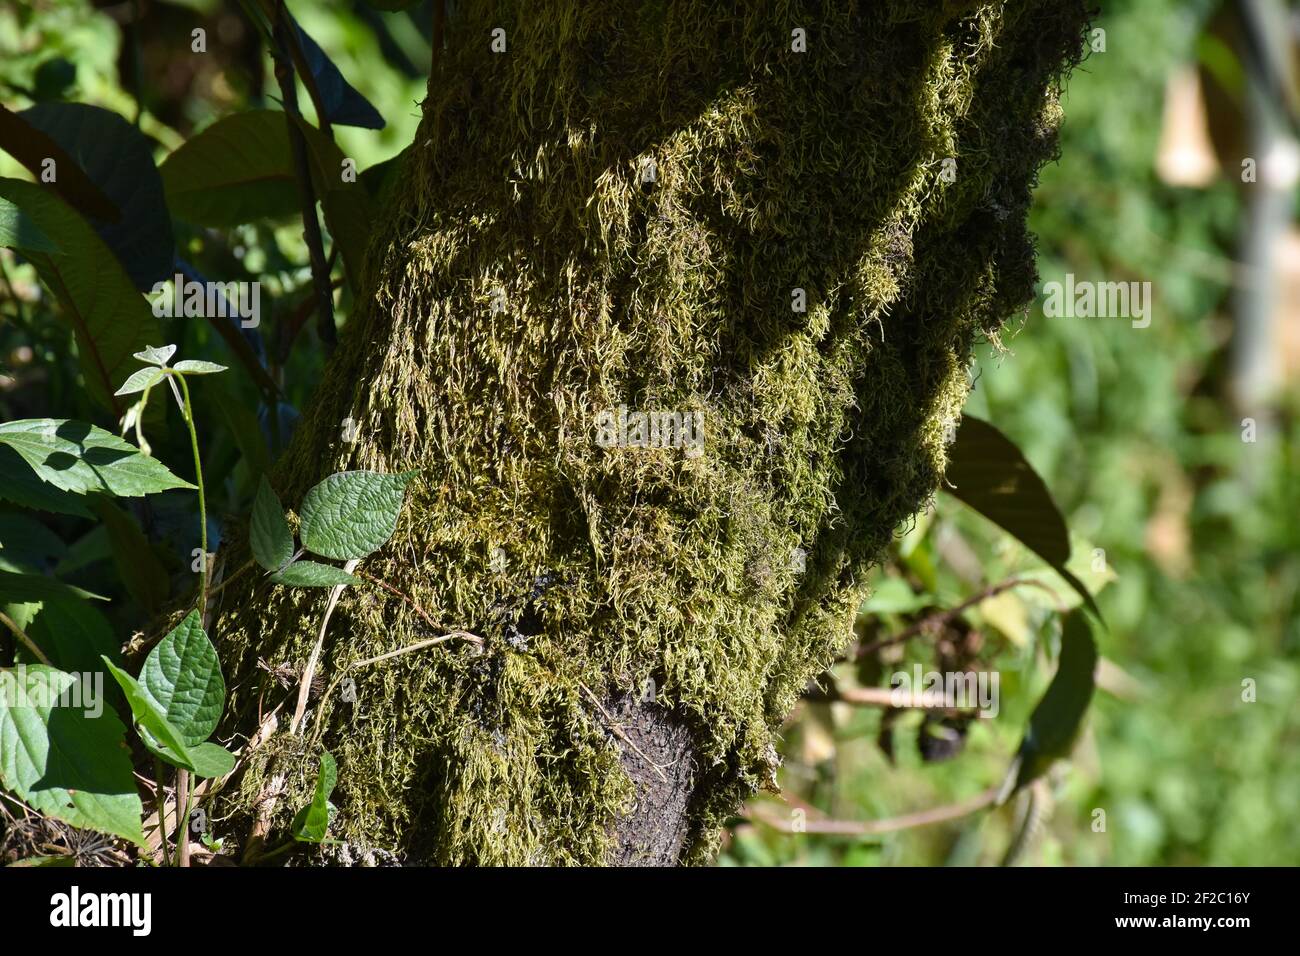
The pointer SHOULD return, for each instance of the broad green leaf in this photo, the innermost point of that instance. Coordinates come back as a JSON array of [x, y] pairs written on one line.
[[197, 367], [20, 485], [988, 472], [25, 588], [353, 513], [97, 299], [146, 580], [269, 536], [32, 147], [333, 95], [182, 677], [91, 547], [158, 355], [17, 231], [313, 575], [237, 170], [312, 822], [205, 760], [155, 729], [29, 542], [139, 381], [62, 761], [119, 160], [212, 760], [73, 634], [1055, 722], [81, 458]]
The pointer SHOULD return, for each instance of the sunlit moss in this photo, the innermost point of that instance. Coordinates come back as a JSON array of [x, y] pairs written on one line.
[[526, 278]]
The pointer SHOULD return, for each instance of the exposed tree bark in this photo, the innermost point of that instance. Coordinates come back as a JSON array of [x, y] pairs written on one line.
[[649, 615]]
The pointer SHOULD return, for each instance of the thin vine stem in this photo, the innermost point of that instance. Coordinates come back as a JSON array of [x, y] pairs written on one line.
[[203, 504]]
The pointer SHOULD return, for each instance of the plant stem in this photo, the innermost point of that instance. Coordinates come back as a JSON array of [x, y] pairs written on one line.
[[162, 810], [26, 641], [203, 505], [231, 577], [285, 46], [183, 776], [183, 817]]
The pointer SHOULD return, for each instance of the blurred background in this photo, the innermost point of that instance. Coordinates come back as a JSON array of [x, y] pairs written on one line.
[[1171, 449]]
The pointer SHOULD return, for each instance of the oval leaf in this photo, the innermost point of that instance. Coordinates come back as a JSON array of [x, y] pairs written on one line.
[[63, 762], [1055, 722], [139, 381], [269, 536], [312, 821], [155, 730], [197, 367], [312, 575], [182, 677], [988, 472], [353, 513], [118, 158]]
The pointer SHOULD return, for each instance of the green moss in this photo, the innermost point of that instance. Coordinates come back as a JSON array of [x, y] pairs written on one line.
[[775, 170]]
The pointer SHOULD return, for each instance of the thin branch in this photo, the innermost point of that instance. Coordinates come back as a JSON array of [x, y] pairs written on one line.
[[284, 75], [908, 821], [304, 688], [943, 617], [888, 698], [27, 642], [618, 732]]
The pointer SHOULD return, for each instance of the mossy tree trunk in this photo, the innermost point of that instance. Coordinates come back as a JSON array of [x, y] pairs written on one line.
[[788, 225]]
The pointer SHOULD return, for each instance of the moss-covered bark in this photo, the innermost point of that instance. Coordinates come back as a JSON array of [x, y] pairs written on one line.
[[527, 280]]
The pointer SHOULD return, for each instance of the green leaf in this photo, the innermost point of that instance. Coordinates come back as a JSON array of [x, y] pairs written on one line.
[[205, 760], [196, 367], [97, 299], [237, 170], [61, 761], [988, 472], [313, 575], [333, 95], [118, 158], [146, 580], [17, 231], [139, 381], [353, 513], [1055, 722], [182, 677], [19, 485], [27, 541], [32, 147], [158, 355], [81, 458], [155, 729], [212, 760], [312, 822], [26, 588], [268, 533], [74, 635]]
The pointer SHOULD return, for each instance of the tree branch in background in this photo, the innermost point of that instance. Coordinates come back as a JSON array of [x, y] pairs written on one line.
[[284, 75], [932, 621]]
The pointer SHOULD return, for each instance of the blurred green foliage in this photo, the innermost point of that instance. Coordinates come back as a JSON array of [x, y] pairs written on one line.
[[1133, 432], [1131, 429]]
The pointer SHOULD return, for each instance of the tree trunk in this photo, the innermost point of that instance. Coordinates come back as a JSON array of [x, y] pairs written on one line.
[[788, 227]]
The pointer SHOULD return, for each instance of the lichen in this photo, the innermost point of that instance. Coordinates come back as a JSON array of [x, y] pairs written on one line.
[[526, 279]]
